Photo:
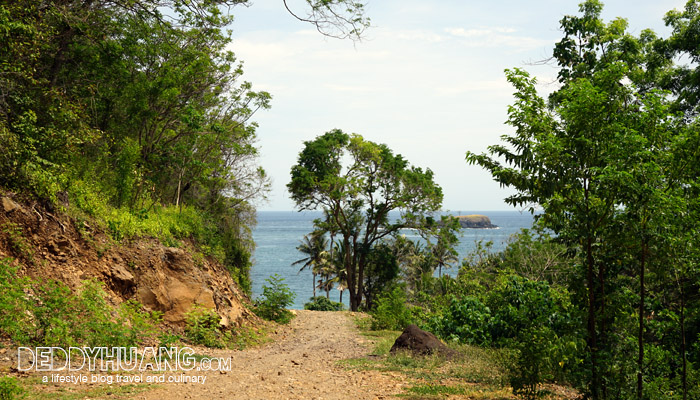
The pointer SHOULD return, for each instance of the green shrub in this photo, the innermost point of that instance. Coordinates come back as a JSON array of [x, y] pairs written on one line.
[[320, 303], [10, 388], [15, 320], [65, 319], [84, 196], [533, 362], [15, 238], [202, 327], [275, 299], [53, 316], [168, 340], [391, 312], [466, 320], [140, 324]]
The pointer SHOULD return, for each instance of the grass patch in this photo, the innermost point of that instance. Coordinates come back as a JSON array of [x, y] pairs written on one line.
[[437, 391], [476, 373], [383, 340], [34, 389]]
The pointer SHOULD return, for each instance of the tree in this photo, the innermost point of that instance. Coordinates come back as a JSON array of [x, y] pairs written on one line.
[[314, 248], [381, 271], [443, 252], [575, 159], [358, 182], [415, 262], [340, 19], [602, 159]]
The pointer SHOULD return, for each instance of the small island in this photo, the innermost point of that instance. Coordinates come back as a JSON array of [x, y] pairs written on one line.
[[475, 221]]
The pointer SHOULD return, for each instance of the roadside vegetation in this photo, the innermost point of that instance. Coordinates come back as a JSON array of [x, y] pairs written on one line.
[[132, 118], [276, 297], [476, 372], [47, 313], [610, 269]]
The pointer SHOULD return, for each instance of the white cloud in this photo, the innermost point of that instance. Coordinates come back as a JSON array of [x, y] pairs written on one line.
[[428, 82], [418, 35], [352, 88], [495, 37], [496, 86], [469, 33]]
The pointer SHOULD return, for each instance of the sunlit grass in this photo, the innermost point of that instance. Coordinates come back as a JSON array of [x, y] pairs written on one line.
[[476, 373], [35, 389]]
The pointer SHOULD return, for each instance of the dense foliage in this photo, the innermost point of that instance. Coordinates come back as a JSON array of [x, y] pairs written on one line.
[[320, 303], [611, 268], [611, 159], [274, 300], [357, 183], [54, 316], [131, 112]]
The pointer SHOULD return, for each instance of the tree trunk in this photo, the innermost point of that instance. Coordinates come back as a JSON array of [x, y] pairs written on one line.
[[360, 276], [314, 283], [684, 372], [640, 338], [592, 343], [601, 333], [350, 271]]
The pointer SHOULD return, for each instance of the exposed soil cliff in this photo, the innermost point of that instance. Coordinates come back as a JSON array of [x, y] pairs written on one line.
[[166, 279]]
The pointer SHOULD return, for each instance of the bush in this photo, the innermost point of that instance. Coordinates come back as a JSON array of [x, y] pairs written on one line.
[[202, 327], [466, 320], [15, 320], [54, 316], [10, 388], [15, 238], [534, 361], [320, 303], [275, 299], [391, 312]]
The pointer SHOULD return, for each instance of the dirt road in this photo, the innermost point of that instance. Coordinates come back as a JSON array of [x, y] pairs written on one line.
[[300, 364]]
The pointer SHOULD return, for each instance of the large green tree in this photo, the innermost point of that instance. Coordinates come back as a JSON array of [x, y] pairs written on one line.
[[358, 183], [141, 104], [610, 159]]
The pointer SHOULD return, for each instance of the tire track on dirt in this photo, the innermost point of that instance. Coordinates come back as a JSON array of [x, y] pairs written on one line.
[[302, 363]]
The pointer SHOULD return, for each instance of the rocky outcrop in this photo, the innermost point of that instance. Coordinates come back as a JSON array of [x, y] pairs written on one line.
[[421, 342], [475, 221], [166, 279]]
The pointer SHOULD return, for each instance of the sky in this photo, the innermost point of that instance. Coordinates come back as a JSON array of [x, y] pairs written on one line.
[[427, 80]]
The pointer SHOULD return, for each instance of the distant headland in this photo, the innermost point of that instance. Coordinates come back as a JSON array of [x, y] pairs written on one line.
[[475, 221]]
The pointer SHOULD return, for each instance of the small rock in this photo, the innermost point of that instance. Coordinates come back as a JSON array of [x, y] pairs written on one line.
[[9, 205]]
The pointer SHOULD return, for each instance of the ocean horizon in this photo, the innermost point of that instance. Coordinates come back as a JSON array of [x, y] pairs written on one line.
[[278, 233]]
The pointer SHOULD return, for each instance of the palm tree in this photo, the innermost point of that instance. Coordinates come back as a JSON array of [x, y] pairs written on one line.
[[314, 247], [444, 256], [333, 271], [327, 271], [411, 256]]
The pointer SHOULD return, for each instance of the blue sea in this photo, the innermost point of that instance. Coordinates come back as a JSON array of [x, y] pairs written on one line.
[[278, 233]]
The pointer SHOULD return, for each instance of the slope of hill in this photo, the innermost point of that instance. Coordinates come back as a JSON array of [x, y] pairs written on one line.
[[170, 280]]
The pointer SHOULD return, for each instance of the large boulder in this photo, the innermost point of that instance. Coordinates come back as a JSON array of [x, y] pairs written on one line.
[[475, 221], [421, 342]]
